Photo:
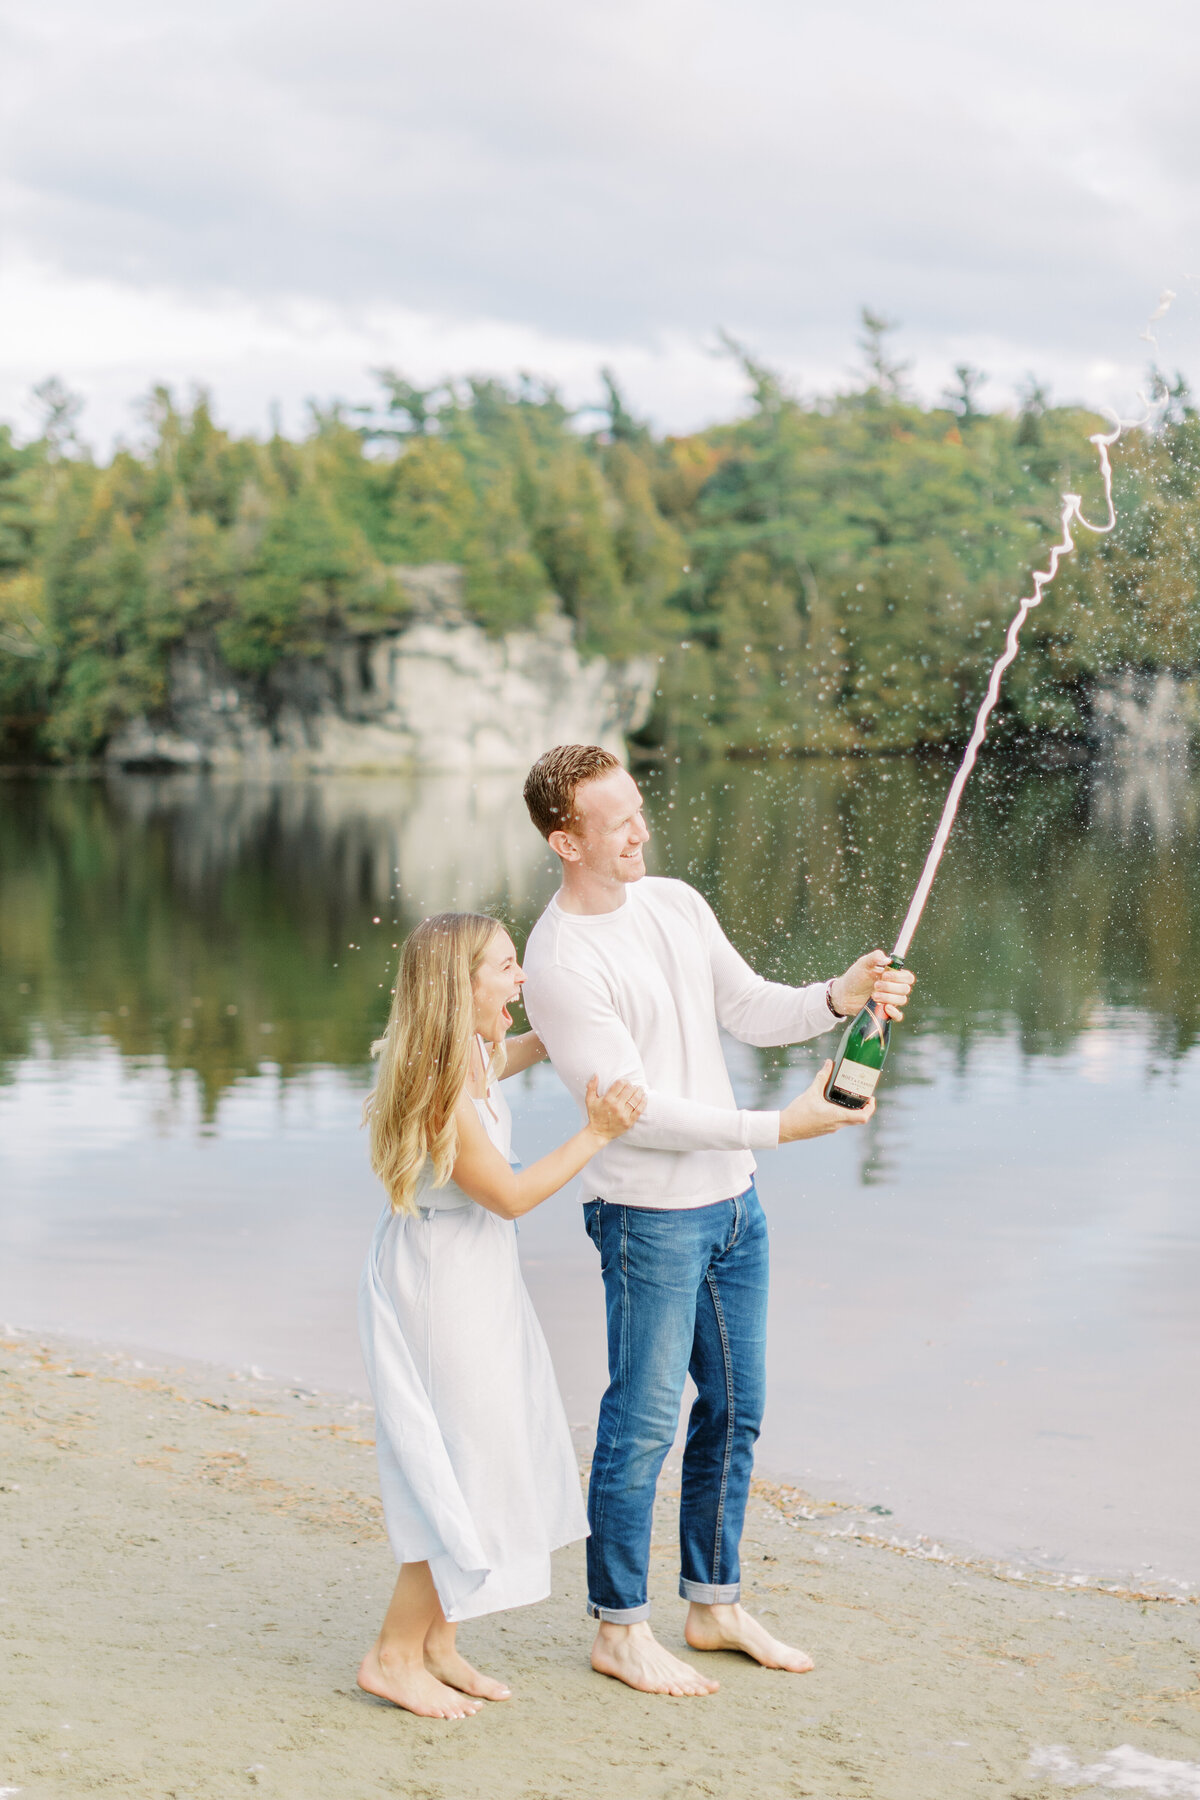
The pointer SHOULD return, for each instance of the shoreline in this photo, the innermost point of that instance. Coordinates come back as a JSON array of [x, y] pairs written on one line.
[[1046, 751], [194, 1563], [833, 1512]]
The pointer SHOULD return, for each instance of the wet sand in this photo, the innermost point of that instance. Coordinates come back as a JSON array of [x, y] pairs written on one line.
[[193, 1564]]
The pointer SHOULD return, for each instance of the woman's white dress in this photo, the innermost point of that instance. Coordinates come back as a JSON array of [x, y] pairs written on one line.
[[478, 1474]]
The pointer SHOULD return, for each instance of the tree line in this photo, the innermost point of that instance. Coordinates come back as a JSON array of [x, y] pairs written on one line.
[[823, 574]]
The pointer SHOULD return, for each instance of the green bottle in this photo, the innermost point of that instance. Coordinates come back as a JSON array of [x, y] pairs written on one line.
[[861, 1055]]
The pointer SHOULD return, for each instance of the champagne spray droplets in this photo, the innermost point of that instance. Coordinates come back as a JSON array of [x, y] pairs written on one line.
[[1071, 516]]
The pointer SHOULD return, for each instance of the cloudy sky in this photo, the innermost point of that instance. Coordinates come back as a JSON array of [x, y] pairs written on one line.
[[272, 198]]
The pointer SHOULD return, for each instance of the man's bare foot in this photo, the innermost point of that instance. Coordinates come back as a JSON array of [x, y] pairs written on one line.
[[732, 1628], [632, 1654], [413, 1688], [450, 1666]]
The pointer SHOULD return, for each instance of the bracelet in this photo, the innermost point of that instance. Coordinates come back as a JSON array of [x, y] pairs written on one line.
[[829, 999]]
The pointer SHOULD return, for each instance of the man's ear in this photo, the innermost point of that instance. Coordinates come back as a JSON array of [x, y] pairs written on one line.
[[563, 848]]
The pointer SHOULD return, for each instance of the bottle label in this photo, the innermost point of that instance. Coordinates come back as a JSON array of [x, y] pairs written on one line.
[[857, 1079]]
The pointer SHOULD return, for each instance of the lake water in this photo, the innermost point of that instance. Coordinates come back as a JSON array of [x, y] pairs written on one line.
[[984, 1313]]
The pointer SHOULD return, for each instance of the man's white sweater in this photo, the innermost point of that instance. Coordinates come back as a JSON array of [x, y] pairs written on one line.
[[640, 994]]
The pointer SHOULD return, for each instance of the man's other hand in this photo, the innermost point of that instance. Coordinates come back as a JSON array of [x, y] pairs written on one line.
[[871, 978], [811, 1115]]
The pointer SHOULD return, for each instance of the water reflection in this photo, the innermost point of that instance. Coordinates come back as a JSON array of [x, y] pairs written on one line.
[[1052, 900], [440, 842], [223, 925], [982, 1306], [1155, 796]]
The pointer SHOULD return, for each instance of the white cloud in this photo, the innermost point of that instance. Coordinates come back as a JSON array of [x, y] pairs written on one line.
[[114, 339], [270, 197]]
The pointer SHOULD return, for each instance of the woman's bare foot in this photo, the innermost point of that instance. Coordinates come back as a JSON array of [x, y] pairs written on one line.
[[632, 1654], [732, 1628], [450, 1666], [413, 1688]]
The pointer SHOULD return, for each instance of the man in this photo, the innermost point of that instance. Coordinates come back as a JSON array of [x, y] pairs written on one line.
[[630, 977]]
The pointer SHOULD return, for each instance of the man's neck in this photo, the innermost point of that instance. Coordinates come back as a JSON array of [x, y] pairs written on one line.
[[582, 892]]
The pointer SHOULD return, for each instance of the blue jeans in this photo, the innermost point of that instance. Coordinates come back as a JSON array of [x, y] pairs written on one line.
[[686, 1293]]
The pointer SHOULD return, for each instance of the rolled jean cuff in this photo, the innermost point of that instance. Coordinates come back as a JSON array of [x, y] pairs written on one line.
[[619, 1615], [708, 1593]]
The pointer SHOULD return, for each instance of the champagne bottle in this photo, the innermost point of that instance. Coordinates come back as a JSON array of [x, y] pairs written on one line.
[[861, 1055]]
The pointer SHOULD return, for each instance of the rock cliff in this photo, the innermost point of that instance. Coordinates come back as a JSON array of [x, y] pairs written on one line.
[[1146, 714], [1144, 726], [435, 694]]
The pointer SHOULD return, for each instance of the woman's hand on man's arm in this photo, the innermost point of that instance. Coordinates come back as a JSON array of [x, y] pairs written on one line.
[[482, 1172], [612, 1113]]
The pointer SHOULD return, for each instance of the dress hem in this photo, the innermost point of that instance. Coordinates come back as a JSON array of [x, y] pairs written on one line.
[[501, 1599]]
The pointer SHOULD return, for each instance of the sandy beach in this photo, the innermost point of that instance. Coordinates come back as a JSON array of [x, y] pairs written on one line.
[[193, 1563]]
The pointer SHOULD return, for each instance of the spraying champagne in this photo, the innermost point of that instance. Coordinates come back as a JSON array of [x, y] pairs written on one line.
[[864, 1046]]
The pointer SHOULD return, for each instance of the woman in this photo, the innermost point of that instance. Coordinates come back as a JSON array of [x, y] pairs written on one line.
[[476, 1466]]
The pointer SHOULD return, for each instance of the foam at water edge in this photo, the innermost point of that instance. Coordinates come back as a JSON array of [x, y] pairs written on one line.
[[1124, 1768], [1167, 1591]]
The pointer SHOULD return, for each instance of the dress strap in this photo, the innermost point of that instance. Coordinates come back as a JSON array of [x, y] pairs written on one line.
[[487, 1076]]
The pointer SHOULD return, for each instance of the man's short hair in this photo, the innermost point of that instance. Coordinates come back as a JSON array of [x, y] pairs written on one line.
[[551, 784]]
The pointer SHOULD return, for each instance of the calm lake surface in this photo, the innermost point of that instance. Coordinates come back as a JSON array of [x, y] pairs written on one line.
[[985, 1306]]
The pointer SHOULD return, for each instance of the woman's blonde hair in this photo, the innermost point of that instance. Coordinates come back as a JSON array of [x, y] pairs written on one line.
[[425, 1053]]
